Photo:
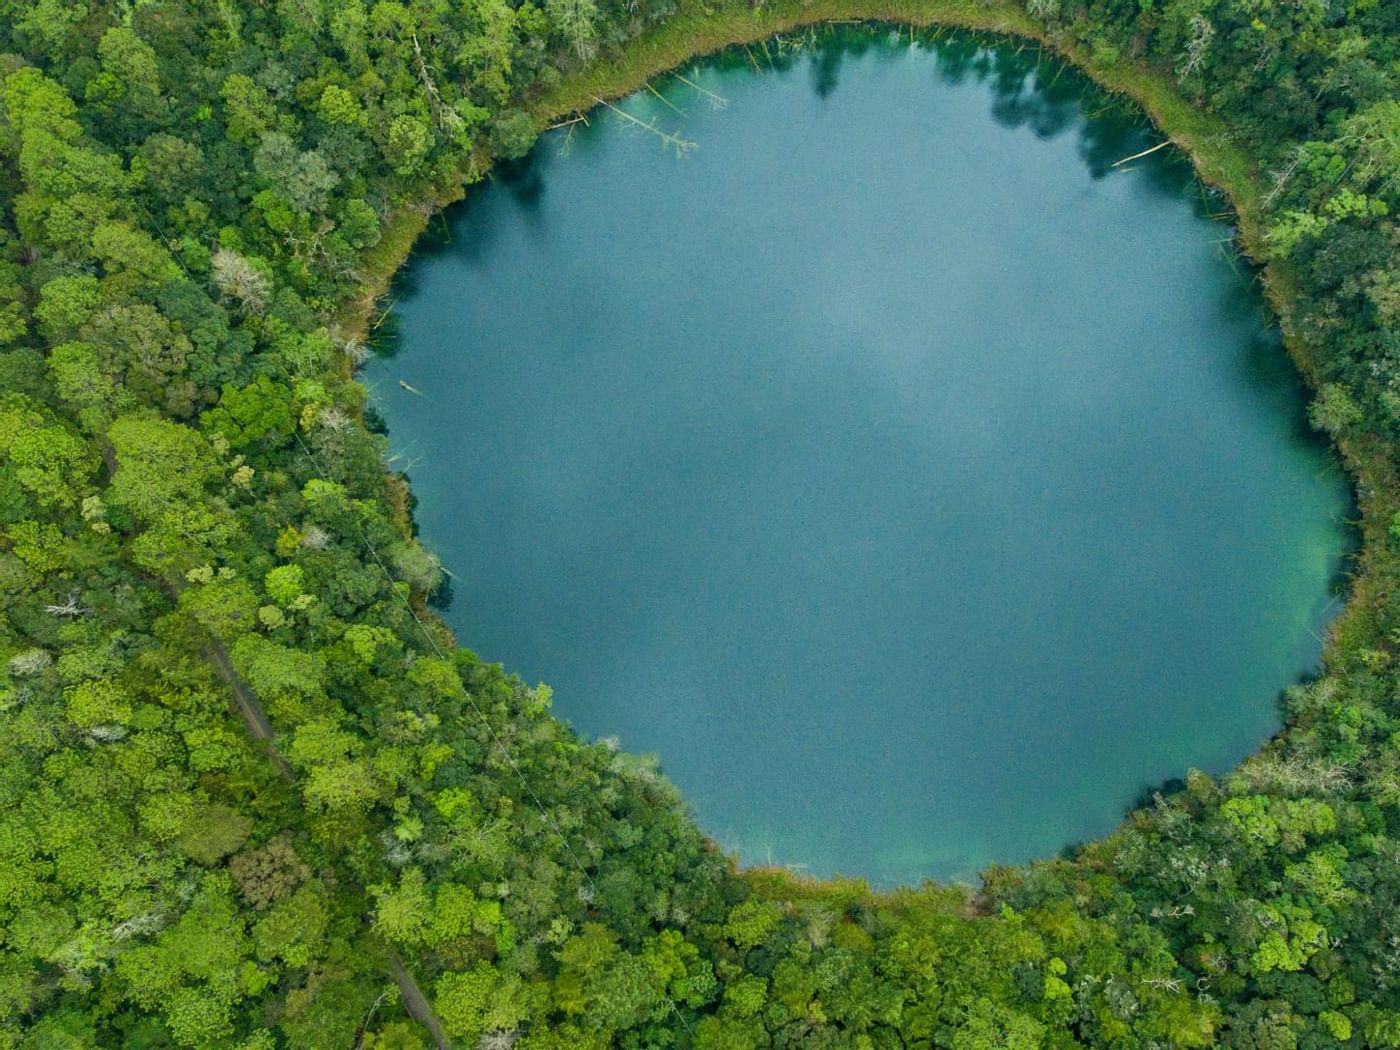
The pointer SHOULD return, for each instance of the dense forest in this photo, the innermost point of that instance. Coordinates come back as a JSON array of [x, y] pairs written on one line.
[[253, 796]]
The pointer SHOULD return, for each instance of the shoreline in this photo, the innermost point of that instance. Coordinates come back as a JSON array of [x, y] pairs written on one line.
[[695, 32]]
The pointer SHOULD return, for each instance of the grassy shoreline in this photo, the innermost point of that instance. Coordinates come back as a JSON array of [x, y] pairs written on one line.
[[695, 31]]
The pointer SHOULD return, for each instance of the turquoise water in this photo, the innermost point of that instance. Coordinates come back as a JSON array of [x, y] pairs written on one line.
[[920, 487]]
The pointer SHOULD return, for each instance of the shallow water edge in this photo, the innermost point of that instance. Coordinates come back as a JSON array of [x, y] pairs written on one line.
[[695, 32]]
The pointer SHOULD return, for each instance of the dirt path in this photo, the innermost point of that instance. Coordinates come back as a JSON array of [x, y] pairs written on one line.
[[259, 728], [248, 707], [416, 1003]]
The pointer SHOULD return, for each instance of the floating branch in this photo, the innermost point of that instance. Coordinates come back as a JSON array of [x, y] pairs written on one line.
[[577, 118], [1144, 153], [384, 315], [665, 101], [789, 42], [675, 142], [1226, 251], [572, 124], [718, 101]]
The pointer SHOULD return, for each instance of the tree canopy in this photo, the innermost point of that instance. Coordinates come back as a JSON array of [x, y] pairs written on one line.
[[254, 797]]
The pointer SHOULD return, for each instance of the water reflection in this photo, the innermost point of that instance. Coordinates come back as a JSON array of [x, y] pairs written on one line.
[[917, 483]]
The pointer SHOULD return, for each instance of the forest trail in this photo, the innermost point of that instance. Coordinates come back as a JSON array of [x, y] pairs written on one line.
[[416, 1003], [249, 707]]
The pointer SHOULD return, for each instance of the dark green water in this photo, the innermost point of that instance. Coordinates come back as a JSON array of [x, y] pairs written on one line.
[[919, 487]]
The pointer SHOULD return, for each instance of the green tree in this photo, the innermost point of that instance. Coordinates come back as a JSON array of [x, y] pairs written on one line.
[[159, 463], [407, 145]]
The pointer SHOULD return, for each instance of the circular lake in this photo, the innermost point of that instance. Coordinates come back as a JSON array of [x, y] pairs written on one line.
[[919, 485]]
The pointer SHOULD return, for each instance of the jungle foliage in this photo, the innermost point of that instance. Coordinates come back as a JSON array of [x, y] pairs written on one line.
[[252, 796]]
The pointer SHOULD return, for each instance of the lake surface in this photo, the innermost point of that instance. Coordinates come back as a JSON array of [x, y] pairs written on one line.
[[918, 485]]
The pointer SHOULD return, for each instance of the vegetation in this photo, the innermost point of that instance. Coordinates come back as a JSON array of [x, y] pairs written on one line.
[[254, 797]]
